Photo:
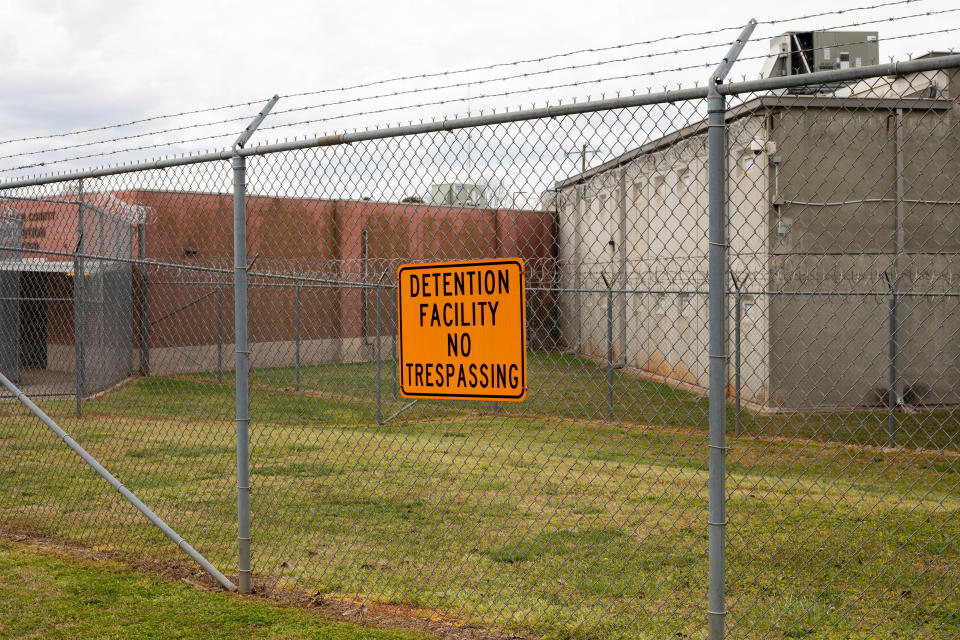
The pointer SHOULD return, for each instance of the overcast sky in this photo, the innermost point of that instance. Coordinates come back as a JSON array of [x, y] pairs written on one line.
[[76, 64]]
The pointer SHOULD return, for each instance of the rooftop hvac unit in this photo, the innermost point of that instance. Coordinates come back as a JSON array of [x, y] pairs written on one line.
[[458, 195], [798, 52]]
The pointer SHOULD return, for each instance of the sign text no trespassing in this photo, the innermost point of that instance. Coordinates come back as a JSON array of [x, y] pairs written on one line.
[[462, 330]]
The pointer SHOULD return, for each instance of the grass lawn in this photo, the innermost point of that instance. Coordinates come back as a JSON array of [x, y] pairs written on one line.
[[571, 387], [538, 517], [44, 594]]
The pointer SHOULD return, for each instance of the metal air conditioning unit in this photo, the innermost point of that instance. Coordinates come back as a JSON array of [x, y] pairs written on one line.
[[798, 52]]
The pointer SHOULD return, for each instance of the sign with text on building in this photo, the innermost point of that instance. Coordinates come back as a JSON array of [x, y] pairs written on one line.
[[462, 330]]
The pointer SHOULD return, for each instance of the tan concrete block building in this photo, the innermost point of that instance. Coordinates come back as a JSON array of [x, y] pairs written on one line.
[[843, 209]]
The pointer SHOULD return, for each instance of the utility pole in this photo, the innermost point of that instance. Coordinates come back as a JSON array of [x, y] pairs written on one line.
[[582, 152]]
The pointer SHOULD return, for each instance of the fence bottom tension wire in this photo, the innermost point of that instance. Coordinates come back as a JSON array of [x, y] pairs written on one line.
[[116, 484]]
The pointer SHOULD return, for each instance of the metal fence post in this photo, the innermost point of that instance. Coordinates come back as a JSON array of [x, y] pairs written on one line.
[[78, 295], [621, 277], [219, 333], [296, 331], [896, 387], [144, 301], [242, 369], [395, 334], [609, 286], [892, 397], [364, 294], [577, 279], [891, 421], [379, 280], [717, 518], [242, 377], [738, 299], [101, 357]]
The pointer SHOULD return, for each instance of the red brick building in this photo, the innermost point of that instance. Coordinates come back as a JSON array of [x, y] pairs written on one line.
[[309, 258]]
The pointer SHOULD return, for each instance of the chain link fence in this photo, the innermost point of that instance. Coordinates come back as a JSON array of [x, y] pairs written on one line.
[[584, 511]]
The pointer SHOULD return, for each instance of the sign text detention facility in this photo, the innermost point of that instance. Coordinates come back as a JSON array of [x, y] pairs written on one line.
[[462, 330]]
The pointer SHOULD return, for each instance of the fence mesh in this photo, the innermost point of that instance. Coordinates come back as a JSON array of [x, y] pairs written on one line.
[[844, 242], [581, 511]]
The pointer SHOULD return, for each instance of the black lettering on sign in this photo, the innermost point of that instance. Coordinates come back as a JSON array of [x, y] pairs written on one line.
[[458, 345], [442, 307], [414, 286]]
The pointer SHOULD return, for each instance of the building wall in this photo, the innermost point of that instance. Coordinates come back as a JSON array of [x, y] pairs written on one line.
[[822, 220], [834, 350], [660, 328], [191, 310]]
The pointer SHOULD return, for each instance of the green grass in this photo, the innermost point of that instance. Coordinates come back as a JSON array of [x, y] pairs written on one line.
[[49, 595], [566, 386], [538, 517]]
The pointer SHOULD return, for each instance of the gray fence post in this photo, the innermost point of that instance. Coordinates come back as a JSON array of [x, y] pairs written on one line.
[[738, 299], [578, 215], [240, 267], [609, 286], [896, 386], [717, 518], [78, 294], [621, 278], [891, 420], [144, 301], [242, 369], [219, 333], [296, 331], [892, 396], [379, 406], [101, 357], [364, 294], [395, 333]]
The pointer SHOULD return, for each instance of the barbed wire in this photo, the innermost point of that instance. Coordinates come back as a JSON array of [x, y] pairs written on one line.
[[129, 123], [381, 96], [922, 14], [435, 103], [447, 87], [257, 102], [342, 116], [603, 49]]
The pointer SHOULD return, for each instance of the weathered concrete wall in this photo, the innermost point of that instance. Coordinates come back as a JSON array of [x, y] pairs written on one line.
[[203, 358], [661, 329], [838, 195], [823, 220]]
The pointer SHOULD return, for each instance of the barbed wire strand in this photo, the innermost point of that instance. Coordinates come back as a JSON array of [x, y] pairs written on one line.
[[260, 101], [425, 104], [456, 85], [381, 96]]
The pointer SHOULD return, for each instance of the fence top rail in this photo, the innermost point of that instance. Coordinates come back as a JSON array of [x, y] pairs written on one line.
[[678, 95], [756, 105]]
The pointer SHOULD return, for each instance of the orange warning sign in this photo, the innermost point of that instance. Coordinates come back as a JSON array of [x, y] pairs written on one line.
[[462, 330]]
